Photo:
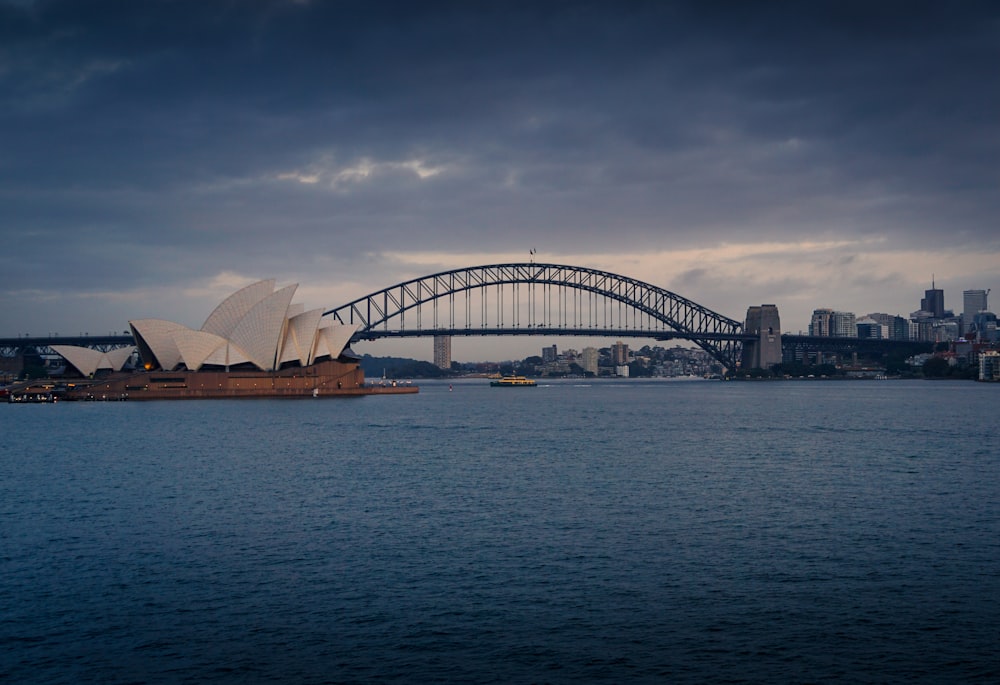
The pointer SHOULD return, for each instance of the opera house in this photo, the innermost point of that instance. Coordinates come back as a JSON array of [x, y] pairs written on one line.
[[256, 343]]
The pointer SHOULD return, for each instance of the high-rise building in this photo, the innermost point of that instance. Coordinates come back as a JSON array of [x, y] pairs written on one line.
[[933, 302], [442, 351], [843, 325], [549, 354], [619, 354], [589, 359], [973, 301], [820, 323]]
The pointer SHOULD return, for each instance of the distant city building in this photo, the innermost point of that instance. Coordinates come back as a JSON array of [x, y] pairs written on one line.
[[946, 331], [820, 323], [442, 351], [870, 330], [619, 355], [897, 327], [549, 354], [843, 325], [933, 302], [989, 366], [973, 302], [985, 326], [589, 360]]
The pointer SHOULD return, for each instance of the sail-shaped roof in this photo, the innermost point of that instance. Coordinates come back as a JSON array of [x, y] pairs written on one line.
[[197, 346], [257, 325], [88, 361], [155, 336], [299, 337], [224, 318], [260, 331]]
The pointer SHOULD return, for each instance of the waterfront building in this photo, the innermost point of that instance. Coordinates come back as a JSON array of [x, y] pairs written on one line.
[[973, 302], [989, 366], [442, 351], [589, 360], [257, 327]]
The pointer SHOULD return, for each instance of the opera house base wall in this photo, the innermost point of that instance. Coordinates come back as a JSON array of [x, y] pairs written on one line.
[[324, 379]]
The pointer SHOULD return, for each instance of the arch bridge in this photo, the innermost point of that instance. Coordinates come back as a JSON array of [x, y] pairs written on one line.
[[540, 299]]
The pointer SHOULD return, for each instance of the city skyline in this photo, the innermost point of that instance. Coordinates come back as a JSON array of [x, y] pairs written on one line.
[[159, 156]]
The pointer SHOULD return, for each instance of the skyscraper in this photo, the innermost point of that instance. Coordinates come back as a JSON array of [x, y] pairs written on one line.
[[619, 354], [589, 360], [973, 301], [442, 351], [933, 301]]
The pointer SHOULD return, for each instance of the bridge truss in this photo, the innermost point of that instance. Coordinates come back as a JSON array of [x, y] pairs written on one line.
[[539, 299]]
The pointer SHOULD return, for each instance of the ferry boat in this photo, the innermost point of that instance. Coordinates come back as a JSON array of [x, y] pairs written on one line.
[[513, 382]]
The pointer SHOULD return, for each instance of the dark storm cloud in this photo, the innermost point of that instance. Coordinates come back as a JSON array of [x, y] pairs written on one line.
[[161, 140]]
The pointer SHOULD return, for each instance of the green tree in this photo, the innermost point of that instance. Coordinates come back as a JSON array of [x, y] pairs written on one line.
[[936, 367]]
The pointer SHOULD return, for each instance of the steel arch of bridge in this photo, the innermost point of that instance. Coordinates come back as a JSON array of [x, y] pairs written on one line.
[[398, 311]]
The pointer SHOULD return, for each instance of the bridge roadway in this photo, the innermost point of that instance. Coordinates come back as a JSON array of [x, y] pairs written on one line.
[[10, 347], [376, 334]]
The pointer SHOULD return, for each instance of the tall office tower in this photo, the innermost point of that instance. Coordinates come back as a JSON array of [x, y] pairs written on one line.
[[619, 354], [765, 351], [820, 323], [933, 301], [900, 329], [442, 351], [549, 354], [974, 301], [842, 325], [590, 356]]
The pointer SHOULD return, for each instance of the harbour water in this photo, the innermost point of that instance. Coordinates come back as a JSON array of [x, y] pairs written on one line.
[[629, 531]]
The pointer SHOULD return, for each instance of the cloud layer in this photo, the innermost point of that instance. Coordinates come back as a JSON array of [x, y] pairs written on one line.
[[819, 154]]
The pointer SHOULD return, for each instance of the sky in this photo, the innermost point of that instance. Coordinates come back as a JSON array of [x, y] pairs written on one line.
[[157, 156]]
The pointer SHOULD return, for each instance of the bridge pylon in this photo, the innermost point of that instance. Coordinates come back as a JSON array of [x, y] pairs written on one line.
[[764, 350]]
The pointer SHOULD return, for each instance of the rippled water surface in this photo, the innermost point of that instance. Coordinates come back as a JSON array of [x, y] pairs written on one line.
[[602, 531]]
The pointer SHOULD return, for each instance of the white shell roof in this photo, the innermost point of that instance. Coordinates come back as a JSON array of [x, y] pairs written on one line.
[[88, 361], [256, 324], [260, 331], [224, 319], [333, 338], [197, 346], [299, 337], [158, 336]]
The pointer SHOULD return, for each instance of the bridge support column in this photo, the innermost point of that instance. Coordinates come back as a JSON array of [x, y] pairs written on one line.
[[764, 351]]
